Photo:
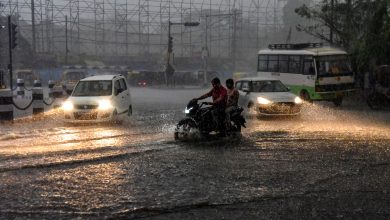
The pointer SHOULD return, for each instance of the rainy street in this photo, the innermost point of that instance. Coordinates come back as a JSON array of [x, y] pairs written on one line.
[[327, 163]]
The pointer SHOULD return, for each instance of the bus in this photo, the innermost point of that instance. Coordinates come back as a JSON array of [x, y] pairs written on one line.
[[312, 71]]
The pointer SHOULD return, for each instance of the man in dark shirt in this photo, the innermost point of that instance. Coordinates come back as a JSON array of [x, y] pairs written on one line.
[[219, 96]]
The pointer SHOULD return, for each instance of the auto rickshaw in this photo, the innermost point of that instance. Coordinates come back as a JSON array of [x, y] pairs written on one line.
[[70, 78], [379, 96]]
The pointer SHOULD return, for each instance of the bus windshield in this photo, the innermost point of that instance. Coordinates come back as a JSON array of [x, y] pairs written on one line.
[[333, 65], [93, 88], [268, 86]]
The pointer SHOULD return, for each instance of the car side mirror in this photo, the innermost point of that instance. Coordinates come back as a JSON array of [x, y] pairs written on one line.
[[117, 91]]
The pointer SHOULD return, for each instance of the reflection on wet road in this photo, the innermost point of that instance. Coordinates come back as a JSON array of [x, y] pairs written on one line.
[[313, 165]]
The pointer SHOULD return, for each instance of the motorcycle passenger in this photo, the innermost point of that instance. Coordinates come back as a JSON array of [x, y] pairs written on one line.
[[232, 100], [219, 96]]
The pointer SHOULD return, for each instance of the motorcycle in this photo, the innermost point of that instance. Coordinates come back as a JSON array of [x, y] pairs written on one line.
[[200, 120]]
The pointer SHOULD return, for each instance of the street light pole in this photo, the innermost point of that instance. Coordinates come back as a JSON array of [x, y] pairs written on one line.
[[169, 69], [205, 51], [10, 51], [168, 53], [66, 40], [205, 55]]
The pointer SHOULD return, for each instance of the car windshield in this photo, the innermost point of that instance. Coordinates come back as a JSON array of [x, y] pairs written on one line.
[[74, 75], [333, 65], [93, 88], [268, 86]]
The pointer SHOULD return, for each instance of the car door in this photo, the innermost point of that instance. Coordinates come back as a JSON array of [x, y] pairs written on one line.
[[117, 97], [126, 99]]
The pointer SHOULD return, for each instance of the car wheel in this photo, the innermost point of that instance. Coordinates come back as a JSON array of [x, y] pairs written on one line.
[[305, 96]]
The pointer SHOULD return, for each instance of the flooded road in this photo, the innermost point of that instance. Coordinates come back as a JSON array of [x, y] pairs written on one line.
[[328, 163]]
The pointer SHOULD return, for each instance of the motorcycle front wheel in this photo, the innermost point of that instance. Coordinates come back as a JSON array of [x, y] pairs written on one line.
[[183, 128]]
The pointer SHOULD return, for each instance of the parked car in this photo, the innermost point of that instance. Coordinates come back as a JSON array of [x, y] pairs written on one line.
[[267, 96], [98, 98]]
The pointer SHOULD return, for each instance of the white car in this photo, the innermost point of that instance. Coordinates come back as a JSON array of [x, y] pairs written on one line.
[[267, 96], [98, 98]]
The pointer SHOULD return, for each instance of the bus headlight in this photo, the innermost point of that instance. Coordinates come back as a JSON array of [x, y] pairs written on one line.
[[104, 105], [298, 100], [67, 106], [263, 101]]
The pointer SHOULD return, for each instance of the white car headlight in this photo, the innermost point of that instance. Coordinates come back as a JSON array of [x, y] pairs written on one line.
[[104, 105], [263, 101], [67, 106], [187, 110], [298, 100]]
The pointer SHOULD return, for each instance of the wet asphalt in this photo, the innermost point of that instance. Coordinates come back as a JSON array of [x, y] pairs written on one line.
[[327, 163]]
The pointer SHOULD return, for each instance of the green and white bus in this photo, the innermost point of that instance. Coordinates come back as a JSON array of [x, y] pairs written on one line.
[[312, 71]]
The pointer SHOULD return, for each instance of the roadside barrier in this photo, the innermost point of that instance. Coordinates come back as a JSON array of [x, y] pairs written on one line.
[[51, 93], [20, 87], [37, 97], [11, 100], [6, 108], [20, 94]]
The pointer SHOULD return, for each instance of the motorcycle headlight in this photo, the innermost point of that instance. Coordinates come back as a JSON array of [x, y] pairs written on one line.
[[187, 110], [298, 100], [105, 105], [263, 101], [67, 106]]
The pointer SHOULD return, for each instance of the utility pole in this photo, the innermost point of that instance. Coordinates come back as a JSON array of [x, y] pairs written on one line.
[[332, 20], [205, 52], [168, 53], [234, 39], [66, 39], [11, 45], [33, 26], [169, 70], [10, 50]]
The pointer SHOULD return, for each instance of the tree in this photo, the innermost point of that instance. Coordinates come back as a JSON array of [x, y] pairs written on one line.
[[361, 27]]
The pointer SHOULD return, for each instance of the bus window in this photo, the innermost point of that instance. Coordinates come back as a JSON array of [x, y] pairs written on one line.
[[294, 64], [273, 63], [308, 66], [262, 65], [283, 63], [333, 65]]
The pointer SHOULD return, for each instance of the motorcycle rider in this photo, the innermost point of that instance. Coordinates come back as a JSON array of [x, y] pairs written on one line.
[[219, 96], [232, 100]]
